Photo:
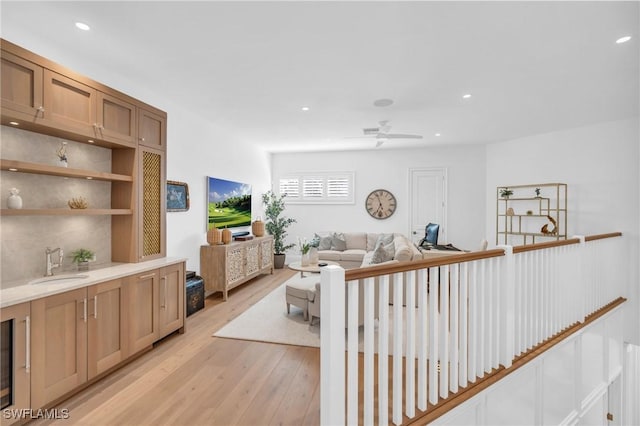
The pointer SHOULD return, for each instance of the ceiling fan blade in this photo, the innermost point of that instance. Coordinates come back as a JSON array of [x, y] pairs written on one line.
[[399, 136]]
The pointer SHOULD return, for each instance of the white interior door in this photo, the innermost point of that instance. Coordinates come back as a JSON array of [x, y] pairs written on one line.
[[427, 202]]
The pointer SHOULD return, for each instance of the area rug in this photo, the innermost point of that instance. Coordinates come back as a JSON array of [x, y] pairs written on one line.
[[268, 321]]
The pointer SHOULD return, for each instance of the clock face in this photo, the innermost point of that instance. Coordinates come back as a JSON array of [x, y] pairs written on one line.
[[381, 204]]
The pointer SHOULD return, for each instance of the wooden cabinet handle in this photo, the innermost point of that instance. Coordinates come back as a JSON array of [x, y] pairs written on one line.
[[27, 349], [164, 291], [84, 309], [95, 306]]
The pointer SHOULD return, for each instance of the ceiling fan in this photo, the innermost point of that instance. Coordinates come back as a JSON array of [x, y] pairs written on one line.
[[382, 133]]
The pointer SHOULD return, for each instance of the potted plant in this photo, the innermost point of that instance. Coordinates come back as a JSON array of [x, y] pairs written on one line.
[[506, 193], [82, 257], [276, 225]]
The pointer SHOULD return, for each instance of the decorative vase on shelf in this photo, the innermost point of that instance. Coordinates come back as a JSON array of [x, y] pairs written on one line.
[[305, 259], [313, 255], [226, 236], [257, 227], [214, 236], [14, 201], [83, 266]]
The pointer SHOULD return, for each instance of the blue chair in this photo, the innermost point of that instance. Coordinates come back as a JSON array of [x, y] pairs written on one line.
[[430, 235]]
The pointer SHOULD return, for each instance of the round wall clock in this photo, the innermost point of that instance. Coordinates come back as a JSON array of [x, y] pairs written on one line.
[[381, 204]]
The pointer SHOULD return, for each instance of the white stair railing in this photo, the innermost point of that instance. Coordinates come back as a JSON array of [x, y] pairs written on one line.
[[463, 316]]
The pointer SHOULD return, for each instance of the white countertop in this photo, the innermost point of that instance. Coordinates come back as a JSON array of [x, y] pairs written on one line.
[[25, 292]]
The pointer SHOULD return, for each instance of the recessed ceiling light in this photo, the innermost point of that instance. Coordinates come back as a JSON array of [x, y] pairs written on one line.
[[623, 39], [14, 123], [305, 108], [437, 134], [83, 26], [382, 102], [466, 96]]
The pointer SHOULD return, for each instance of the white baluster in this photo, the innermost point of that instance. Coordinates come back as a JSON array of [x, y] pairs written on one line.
[[369, 318], [383, 351]]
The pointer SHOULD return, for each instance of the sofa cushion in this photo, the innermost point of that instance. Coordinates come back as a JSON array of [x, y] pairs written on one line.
[[383, 253], [338, 242], [324, 241], [332, 255], [353, 255], [356, 240], [403, 251]]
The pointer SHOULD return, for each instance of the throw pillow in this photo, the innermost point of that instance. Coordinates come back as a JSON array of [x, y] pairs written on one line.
[[383, 253], [325, 242], [338, 242], [384, 239]]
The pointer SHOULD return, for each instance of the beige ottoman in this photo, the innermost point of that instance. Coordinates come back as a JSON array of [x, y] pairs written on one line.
[[298, 291]]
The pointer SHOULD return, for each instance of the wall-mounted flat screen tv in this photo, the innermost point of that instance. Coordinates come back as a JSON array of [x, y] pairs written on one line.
[[228, 203]]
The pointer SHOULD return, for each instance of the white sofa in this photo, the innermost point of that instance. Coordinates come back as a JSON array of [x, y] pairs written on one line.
[[356, 249]]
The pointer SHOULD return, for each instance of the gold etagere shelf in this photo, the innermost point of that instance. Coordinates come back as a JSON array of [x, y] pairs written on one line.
[[531, 211]]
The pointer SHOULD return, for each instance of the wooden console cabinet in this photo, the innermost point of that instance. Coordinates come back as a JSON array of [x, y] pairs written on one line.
[[226, 266]]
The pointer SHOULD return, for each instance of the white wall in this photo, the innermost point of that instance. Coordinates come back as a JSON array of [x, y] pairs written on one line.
[[389, 169], [600, 165]]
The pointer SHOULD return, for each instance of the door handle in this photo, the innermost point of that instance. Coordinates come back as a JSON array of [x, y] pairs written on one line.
[[27, 349], [164, 291], [84, 309], [95, 306]]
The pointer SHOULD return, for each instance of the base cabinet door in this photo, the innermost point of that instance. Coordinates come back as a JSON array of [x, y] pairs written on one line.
[[58, 345], [172, 291], [142, 309], [16, 378], [106, 334]]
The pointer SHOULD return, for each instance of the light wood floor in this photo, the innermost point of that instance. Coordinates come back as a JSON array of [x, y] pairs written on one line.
[[196, 379]]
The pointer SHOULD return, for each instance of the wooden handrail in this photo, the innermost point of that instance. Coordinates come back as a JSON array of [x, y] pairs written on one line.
[[545, 245], [603, 236], [414, 265]]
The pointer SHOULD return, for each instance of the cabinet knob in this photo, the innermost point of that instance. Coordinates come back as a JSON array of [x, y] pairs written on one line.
[[41, 110]]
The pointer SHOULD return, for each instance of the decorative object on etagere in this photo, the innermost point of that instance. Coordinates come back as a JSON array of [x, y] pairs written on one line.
[[550, 228], [78, 203], [537, 190], [62, 155], [14, 201], [510, 212], [506, 193]]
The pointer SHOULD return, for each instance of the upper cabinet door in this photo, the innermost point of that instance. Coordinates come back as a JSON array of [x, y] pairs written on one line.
[[116, 120], [21, 88], [152, 129], [70, 104]]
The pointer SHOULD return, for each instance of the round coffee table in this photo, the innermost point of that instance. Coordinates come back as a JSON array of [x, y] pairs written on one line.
[[312, 267]]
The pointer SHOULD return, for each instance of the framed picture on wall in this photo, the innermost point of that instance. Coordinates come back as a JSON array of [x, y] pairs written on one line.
[[177, 196]]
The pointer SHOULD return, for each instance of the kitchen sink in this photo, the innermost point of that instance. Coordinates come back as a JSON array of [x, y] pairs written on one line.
[[59, 279]]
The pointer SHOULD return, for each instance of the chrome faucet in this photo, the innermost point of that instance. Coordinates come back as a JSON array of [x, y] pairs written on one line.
[[50, 264]]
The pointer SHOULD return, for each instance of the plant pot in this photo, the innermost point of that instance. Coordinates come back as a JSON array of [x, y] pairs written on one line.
[[305, 259], [83, 266], [313, 255], [278, 260]]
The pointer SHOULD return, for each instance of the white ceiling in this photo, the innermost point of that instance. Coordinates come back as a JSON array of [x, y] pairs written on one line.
[[249, 67]]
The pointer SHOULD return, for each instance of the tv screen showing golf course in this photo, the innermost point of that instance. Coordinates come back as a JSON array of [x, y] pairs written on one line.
[[228, 203]]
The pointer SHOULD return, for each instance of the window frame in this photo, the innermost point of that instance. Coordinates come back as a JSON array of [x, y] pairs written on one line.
[[322, 176]]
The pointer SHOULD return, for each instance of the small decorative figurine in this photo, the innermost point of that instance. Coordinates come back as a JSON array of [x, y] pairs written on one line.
[[14, 201], [537, 192], [62, 154]]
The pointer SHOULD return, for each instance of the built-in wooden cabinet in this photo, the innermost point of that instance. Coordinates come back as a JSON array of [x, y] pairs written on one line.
[[172, 304], [226, 266], [142, 305], [152, 202], [41, 96], [152, 129], [22, 90], [78, 335], [58, 345], [107, 332], [15, 382]]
